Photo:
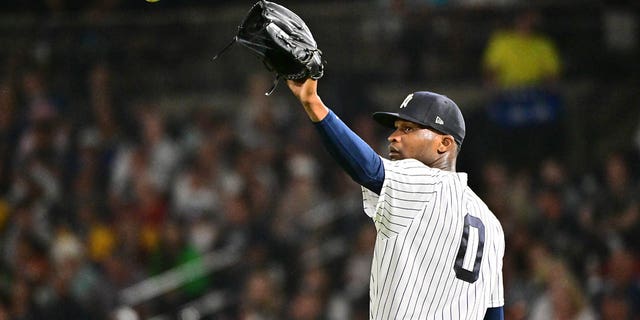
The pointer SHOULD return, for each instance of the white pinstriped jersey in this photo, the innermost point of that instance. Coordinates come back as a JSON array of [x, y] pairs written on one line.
[[439, 249]]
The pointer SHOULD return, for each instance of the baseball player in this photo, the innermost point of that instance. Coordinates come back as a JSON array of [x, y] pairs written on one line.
[[438, 252]]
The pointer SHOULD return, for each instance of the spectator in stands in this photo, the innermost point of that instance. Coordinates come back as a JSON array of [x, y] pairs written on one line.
[[305, 306], [194, 194], [615, 305], [8, 131], [262, 296], [621, 278], [617, 204], [522, 67], [72, 268], [4, 308], [163, 153], [107, 120], [260, 118], [356, 274], [294, 219], [562, 297]]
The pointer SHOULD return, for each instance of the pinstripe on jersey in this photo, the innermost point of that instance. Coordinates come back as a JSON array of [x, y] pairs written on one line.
[[429, 226]]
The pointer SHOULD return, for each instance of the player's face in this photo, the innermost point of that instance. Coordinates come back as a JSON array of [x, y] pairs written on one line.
[[413, 141]]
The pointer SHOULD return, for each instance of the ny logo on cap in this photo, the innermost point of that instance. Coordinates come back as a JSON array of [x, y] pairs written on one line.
[[406, 101]]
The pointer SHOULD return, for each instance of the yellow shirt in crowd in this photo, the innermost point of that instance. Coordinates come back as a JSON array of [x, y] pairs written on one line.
[[521, 60]]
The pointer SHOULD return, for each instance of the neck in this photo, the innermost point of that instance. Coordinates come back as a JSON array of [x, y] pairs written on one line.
[[446, 163]]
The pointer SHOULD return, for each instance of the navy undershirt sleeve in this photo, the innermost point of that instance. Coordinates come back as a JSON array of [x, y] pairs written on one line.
[[494, 314], [354, 155]]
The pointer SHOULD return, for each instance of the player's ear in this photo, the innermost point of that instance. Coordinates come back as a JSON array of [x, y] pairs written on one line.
[[446, 144]]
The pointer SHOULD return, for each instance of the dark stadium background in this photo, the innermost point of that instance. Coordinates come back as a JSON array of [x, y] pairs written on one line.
[[139, 179]]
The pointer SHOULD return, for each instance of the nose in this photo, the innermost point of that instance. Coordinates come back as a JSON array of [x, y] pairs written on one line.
[[395, 136]]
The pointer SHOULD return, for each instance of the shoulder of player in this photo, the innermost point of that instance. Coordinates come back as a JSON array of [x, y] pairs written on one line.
[[478, 202], [415, 168], [409, 165]]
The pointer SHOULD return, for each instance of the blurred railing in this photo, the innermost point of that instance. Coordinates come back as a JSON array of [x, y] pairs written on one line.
[[172, 279], [207, 305]]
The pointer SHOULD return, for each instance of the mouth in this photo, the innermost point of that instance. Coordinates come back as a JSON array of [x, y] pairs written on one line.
[[394, 154]]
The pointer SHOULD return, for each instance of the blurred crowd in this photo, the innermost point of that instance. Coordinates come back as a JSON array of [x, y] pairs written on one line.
[[95, 199], [94, 202]]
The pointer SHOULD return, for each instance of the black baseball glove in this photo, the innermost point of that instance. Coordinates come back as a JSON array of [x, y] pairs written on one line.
[[282, 40]]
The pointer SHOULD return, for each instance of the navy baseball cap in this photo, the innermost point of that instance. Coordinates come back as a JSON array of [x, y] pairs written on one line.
[[429, 109]]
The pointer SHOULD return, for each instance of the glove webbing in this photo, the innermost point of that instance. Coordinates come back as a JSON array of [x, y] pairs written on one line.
[[235, 39]]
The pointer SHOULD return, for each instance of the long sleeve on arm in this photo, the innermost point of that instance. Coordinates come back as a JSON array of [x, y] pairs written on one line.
[[494, 314], [354, 155]]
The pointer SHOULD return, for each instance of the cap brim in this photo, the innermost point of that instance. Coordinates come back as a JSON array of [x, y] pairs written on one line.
[[388, 119]]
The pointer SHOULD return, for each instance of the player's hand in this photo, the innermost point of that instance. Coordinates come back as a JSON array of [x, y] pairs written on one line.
[[305, 90]]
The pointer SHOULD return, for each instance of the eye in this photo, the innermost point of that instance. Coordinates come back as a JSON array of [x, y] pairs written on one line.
[[406, 129]]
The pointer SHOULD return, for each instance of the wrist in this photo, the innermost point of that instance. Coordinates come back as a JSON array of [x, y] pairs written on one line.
[[310, 100], [315, 108]]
